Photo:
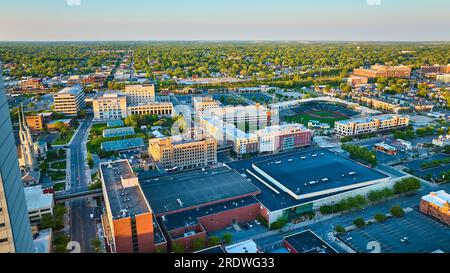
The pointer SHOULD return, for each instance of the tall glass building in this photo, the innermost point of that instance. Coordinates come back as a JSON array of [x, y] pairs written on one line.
[[15, 230]]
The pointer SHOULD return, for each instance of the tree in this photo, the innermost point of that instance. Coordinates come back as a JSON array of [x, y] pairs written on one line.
[[405, 185], [46, 221], [397, 211], [339, 229], [380, 217], [60, 243], [199, 243], [213, 241], [359, 222], [227, 237], [178, 248], [96, 245]]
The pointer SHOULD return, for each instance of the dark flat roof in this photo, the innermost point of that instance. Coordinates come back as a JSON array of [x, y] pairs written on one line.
[[308, 242], [296, 173], [195, 189], [271, 200], [189, 217]]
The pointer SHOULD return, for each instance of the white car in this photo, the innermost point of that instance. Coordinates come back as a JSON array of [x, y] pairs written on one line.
[[91, 216], [404, 239]]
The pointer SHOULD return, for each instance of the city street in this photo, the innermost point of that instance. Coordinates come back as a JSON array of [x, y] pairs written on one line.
[[82, 228]]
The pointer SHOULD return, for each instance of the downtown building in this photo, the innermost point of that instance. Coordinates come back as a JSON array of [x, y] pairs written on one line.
[[128, 222], [70, 100], [140, 94], [283, 137], [114, 105], [375, 124], [15, 230], [176, 153]]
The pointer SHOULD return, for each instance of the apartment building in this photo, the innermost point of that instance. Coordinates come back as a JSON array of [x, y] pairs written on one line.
[[379, 104], [437, 205], [140, 94], [128, 222], [70, 100], [358, 126], [15, 230], [378, 70], [246, 118], [174, 152], [111, 106], [283, 137], [229, 134]]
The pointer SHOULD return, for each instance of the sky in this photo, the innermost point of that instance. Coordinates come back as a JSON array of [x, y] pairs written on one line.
[[300, 20]]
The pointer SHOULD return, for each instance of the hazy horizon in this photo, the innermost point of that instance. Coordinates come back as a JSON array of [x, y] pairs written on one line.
[[232, 20]]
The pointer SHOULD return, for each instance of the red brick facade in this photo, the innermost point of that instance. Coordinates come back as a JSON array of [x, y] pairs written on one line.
[[442, 214]]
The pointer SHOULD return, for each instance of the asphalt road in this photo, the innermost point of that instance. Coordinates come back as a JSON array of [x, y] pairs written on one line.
[[82, 229]]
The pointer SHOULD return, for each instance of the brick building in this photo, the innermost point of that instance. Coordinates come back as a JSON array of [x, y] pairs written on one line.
[[437, 205]]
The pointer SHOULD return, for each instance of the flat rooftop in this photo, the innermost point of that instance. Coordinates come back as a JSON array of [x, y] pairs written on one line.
[[124, 144], [272, 197], [189, 217], [37, 199], [115, 123], [73, 90], [185, 191], [308, 242], [315, 171], [123, 201]]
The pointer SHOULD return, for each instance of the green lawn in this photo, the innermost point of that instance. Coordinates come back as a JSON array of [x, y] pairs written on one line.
[[63, 141], [304, 118], [59, 186], [58, 165], [57, 176]]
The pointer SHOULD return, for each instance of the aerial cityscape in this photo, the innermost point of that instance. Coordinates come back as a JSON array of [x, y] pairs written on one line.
[[126, 140]]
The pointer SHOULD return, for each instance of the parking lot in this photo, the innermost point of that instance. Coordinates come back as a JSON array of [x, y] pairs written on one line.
[[415, 165], [424, 235]]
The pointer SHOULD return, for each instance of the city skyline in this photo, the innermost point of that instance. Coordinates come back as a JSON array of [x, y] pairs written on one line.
[[323, 20]]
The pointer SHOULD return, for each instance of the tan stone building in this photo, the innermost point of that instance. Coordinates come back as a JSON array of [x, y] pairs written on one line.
[[140, 94], [173, 152], [112, 105]]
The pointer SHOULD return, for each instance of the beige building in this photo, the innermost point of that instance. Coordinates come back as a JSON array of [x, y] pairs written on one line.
[[116, 105], [200, 104], [70, 100], [156, 108], [353, 127], [112, 105], [174, 152], [140, 94], [357, 80], [445, 78]]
